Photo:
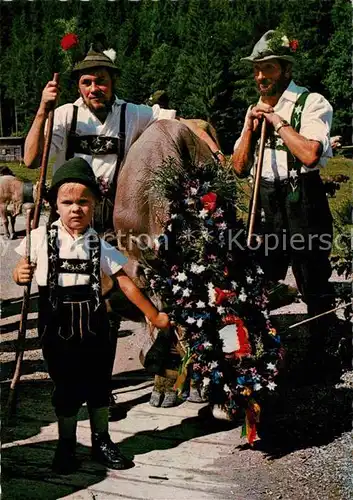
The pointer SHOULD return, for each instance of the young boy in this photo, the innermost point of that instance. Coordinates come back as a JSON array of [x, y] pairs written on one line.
[[67, 258]]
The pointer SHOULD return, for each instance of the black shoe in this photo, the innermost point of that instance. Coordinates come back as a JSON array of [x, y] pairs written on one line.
[[65, 461], [107, 453]]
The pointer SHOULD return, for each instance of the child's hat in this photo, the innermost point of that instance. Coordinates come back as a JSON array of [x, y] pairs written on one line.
[[74, 170]]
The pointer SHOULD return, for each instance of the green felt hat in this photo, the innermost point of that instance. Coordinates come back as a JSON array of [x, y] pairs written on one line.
[[95, 59], [74, 170], [272, 46]]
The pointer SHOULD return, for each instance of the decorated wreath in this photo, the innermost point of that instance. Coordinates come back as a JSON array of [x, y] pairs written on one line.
[[213, 289]]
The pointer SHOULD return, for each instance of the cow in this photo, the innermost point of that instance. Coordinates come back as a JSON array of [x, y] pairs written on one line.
[[140, 215], [13, 194]]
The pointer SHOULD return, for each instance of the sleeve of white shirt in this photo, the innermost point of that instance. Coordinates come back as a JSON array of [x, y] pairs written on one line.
[[111, 259], [316, 122], [62, 117], [37, 239], [239, 138], [163, 114]]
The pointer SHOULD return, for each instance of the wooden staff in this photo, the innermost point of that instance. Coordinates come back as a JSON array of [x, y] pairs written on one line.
[[44, 163], [20, 346], [257, 183]]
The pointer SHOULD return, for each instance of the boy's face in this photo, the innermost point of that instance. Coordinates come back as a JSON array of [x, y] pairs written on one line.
[[75, 205]]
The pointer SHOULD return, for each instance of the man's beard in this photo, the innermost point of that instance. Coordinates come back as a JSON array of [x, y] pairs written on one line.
[[106, 108], [276, 88]]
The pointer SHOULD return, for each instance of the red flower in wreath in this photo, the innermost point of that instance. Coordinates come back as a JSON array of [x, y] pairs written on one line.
[[293, 44], [209, 201], [68, 41], [223, 295]]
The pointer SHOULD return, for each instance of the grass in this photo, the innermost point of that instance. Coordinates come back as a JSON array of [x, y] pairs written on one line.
[[27, 174]]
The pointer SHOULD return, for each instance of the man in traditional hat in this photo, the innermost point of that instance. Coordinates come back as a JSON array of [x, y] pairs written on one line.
[[98, 126], [294, 220]]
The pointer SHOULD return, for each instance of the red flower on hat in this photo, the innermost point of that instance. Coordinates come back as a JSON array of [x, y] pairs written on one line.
[[293, 44], [68, 41], [209, 201]]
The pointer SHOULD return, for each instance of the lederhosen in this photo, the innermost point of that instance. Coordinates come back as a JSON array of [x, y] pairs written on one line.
[[74, 330], [297, 206], [97, 145]]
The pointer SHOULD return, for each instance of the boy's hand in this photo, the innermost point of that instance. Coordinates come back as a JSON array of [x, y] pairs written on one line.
[[161, 321], [25, 273]]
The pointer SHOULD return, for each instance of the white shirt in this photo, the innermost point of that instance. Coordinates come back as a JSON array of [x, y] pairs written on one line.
[[138, 118], [69, 248], [315, 125]]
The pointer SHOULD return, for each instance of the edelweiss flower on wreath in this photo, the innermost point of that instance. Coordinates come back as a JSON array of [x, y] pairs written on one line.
[[281, 43], [214, 290]]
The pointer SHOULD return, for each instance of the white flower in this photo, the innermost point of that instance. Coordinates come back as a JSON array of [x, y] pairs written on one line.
[[176, 288], [193, 190], [205, 234], [285, 41], [249, 279], [203, 213], [271, 366], [211, 294], [191, 320], [293, 174], [226, 388], [199, 322], [242, 296], [110, 53], [197, 269], [259, 270], [219, 212], [206, 381], [207, 345], [174, 216], [52, 232], [234, 285], [186, 292], [271, 386], [200, 304], [220, 309], [181, 277], [257, 387], [213, 365], [222, 226], [169, 227]]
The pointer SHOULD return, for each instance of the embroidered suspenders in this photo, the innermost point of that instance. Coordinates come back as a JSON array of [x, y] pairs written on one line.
[[95, 144], [57, 265], [293, 164]]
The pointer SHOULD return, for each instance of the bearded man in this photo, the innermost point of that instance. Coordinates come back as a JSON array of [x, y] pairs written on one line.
[[294, 223]]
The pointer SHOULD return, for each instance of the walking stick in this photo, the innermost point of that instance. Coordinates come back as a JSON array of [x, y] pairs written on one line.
[[44, 163], [27, 291], [257, 183], [22, 329]]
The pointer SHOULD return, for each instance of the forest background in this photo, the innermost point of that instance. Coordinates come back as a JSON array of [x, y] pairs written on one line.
[[190, 48]]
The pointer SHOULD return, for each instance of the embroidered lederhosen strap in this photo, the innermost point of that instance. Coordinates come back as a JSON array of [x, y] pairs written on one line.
[[293, 164], [97, 145], [57, 265]]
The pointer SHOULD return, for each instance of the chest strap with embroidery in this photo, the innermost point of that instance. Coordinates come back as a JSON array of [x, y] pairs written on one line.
[[57, 266]]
